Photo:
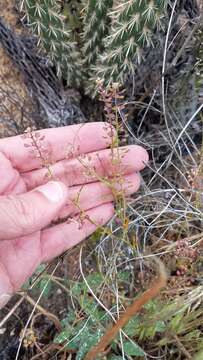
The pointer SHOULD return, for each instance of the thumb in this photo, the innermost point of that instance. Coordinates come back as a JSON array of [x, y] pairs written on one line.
[[24, 214]]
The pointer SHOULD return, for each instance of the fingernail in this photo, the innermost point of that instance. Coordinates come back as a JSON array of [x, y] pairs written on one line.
[[53, 190], [4, 298]]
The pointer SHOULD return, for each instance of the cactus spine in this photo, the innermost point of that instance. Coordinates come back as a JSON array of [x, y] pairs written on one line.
[[44, 18], [113, 35], [96, 21], [133, 23]]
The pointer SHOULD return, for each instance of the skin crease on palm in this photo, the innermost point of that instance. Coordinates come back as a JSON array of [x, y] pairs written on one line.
[[26, 240]]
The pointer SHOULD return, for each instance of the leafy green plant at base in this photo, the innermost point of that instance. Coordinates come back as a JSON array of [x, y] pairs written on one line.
[[90, 329], [94, 324], [158, 324]]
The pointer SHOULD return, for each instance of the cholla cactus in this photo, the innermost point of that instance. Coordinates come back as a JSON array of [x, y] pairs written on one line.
[[113, 36], [96, 21], [44, 18], [133, 23]]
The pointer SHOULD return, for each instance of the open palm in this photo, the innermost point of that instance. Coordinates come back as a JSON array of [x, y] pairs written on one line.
[[26, 240]]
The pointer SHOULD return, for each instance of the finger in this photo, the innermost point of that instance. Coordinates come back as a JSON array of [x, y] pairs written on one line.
[[18, 258], [56, 240], [24, 214], [95, 194], [57, 144], [6, 288], [11, 182], [91, 167]]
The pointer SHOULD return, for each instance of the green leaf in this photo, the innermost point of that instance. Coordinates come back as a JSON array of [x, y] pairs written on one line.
[[68, 320], [160, 326], [45, 285], [76, 290], [124, 276], [70, 338], [132, 326], [199, 356], [163, 341], [97, 235], [132, 349], [26, 285], [38, 271], [176, 322], [195, 334], [71, 315], [88, 305], [94, 280], [40, 268], [74, 344], [90, 341], [91, 308], [151, 306], [62, 337], [81, 325], [97, 315]]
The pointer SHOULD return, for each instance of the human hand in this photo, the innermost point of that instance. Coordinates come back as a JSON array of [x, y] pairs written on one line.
[[29, 202]]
